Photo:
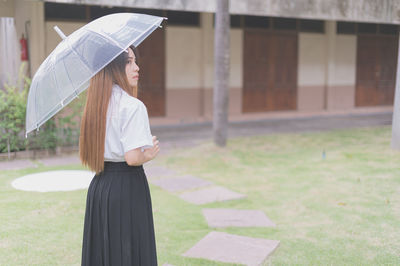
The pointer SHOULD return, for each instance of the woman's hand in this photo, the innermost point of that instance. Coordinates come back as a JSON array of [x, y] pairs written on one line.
[[152, 152], [137, 157]]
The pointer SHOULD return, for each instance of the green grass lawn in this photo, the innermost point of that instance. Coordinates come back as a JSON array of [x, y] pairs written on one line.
[[339, 209]]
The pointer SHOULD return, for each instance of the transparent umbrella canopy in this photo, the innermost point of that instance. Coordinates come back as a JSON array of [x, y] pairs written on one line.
[[67, 70]]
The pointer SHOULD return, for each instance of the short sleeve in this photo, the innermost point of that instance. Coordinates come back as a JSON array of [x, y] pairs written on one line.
[[135, 129]]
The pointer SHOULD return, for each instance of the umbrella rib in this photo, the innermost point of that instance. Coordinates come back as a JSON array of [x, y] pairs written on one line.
[[69, 78], [55, 80], [36, 114], [75, 52], [106, 37], [151, 30]]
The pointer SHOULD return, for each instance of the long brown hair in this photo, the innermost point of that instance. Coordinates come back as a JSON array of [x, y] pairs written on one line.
[[93, 125]]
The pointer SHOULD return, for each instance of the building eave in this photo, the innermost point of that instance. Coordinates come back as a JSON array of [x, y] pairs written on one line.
[[384, 11]]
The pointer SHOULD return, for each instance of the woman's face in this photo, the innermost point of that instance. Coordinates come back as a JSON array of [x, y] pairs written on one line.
[[132, 69]]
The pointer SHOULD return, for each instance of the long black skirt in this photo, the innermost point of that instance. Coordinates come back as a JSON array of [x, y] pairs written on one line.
[[119, 227]]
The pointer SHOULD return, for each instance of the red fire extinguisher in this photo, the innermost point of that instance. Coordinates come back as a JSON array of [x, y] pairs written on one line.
[[24, 48]]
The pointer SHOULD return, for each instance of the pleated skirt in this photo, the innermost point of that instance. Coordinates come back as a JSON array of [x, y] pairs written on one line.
[[118, 227]]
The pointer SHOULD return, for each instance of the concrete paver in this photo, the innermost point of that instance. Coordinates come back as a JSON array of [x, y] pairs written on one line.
[[236, 218], [211, 194], [223, 247], [181, 183], [54, 181], [154, 171]]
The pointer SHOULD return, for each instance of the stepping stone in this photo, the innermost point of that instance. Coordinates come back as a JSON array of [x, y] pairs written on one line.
[[237, 218], [181, 183], [54, 181], [60, 161], [211, 194], [16, 164], [223, 247], [153, 171]]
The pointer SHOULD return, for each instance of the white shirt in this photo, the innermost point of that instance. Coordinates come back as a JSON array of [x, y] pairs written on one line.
[[127, 126]]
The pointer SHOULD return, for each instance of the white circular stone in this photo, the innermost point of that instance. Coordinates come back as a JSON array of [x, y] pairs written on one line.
[[65, 180]]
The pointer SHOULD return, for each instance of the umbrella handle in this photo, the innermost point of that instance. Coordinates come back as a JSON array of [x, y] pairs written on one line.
[[62, 35]]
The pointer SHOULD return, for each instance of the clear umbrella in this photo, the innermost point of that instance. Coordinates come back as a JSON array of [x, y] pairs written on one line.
[[67, 70]]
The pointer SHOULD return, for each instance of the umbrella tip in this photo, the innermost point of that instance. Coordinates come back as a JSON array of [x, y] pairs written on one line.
[[58, 30]]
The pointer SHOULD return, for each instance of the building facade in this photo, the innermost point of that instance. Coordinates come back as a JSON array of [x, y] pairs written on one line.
[[285, 55]]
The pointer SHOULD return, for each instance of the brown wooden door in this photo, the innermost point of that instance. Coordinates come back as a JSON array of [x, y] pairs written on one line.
[[376, 70], [283, 93], [269, 71], [256, 66], [151, 61]]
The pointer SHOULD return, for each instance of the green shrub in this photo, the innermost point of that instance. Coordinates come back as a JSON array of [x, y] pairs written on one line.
[[68, 122], [61, 130], [12, 118]]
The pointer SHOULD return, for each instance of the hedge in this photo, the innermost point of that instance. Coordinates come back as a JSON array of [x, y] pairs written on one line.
[[61, 130]]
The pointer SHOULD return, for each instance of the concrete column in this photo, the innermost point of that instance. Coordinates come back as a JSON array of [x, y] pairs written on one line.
[[29, 20], [37, 35], [396, 107], [207, 67], [330, 29], [7, 8]]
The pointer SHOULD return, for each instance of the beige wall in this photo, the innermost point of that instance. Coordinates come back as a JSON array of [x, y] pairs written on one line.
[[345, 60], [236, 60], [326, 70], [190, 69], [7, 8], [183, 58], [311, 71], [235, 75], [341, 90], [29, 15]]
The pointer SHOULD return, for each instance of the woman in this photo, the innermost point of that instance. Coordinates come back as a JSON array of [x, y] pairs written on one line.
[[115, 141]]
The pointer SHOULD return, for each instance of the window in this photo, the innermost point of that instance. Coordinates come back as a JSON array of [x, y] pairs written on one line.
[[256, 22], [183, 18], [285, 23], [388, 29], [309, 25], [346, 28], [99, 11], [367, 28], [236, 21], [153, 12], [56, 11]]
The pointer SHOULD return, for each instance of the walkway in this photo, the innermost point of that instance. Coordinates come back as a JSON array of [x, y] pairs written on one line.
[[176, 135], [184, 135], [216, 245]]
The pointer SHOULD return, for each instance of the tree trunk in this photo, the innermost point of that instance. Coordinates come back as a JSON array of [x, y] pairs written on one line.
[[396, 107], [221, 73]]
